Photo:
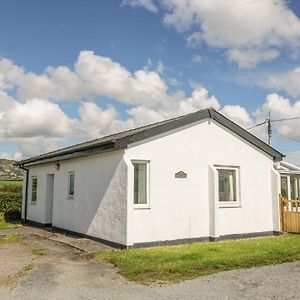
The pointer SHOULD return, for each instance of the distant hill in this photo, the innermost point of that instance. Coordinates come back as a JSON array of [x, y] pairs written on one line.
[[8, 170]]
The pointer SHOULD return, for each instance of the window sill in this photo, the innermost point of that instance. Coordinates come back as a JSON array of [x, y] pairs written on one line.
[[70, 198], [33, 203], [136, 206], [230, 205]]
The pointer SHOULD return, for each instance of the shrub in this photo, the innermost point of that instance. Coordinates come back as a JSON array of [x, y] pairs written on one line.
[[12, 215], [11, 202]]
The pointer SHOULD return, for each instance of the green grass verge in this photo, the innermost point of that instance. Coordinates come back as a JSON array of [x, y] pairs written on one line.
[[11, 224], [4, 182], [176, 263]]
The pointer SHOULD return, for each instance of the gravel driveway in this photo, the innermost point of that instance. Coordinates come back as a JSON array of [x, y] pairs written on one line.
[[39, 268]]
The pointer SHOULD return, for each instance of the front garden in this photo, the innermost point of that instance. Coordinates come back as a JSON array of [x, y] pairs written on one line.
[[177, 263]]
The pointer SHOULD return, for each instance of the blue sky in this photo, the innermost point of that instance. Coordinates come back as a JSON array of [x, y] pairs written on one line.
[[154, 37]]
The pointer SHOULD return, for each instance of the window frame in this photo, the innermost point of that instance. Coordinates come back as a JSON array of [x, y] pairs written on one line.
[[236, 203], [71, 196], [287, 184], [147, 204], [32, 179]]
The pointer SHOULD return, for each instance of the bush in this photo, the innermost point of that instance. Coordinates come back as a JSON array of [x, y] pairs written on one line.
[[11, 202], [12, 215]]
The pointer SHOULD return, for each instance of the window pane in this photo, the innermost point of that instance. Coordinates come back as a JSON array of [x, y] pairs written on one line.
[[140, 183], [227, 185], [71, 186], [34, 189], [284, 187], [294, 188]]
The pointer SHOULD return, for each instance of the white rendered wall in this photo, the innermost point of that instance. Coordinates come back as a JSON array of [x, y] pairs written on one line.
[[49, 198], [179, 208], [99, 206], [276, 190]]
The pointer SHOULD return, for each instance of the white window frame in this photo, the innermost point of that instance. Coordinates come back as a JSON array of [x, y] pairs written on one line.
[[144, 205], [70, 196], [37, 183], [236, 203]]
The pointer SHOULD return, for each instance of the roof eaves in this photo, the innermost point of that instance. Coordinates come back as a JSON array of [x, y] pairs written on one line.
[[63, 155]]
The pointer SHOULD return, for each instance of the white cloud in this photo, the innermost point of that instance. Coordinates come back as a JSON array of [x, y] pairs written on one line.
[[249, 58], [237, 114], [36, 117], [148, 4], [288, 81], [197, 59], [173, 81], [93, 75], [35, 125], [102, 76], [11, 156], [160, 67], [37, 145], [252, 31], [96, 122], [293, 157], [38, 124], [281, 108], [32, 115]]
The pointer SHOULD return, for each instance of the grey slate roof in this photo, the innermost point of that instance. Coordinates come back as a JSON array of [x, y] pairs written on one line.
[[122, 139]]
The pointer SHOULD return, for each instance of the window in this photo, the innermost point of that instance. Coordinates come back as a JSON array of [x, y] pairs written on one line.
[[141, 176], [294, 186], [228, 185], [34, 189], [284, 186], [71, 184]]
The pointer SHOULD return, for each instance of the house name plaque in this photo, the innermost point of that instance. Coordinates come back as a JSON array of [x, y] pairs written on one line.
[[180, 174]]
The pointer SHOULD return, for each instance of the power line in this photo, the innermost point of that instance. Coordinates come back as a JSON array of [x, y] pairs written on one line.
[[288, 137], [259, 124], [278, 120], [287, 119], [269, 122]]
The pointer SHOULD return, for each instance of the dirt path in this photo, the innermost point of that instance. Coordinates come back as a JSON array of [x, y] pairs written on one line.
[[38, 268]]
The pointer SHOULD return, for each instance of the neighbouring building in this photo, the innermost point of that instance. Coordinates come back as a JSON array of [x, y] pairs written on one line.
[[290, 180], [194, 177]]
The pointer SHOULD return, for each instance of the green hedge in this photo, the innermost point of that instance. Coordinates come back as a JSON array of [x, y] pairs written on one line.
[[11, 202]]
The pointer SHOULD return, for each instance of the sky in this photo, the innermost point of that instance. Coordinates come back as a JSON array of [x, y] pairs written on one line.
[[72, 71]]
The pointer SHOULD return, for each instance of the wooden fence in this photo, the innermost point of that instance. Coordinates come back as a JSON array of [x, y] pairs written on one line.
[[289, 215]]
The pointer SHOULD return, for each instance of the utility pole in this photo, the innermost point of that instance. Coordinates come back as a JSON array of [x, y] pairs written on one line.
[[269, 129]]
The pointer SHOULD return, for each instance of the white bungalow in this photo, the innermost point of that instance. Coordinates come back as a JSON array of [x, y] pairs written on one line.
[[191, 178]]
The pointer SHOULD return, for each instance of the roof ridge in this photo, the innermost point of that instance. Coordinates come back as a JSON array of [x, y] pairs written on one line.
[[122, 139]]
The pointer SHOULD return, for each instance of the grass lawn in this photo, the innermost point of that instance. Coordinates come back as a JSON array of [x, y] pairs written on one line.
[[4, 182], [176, 263], [11, 224]]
